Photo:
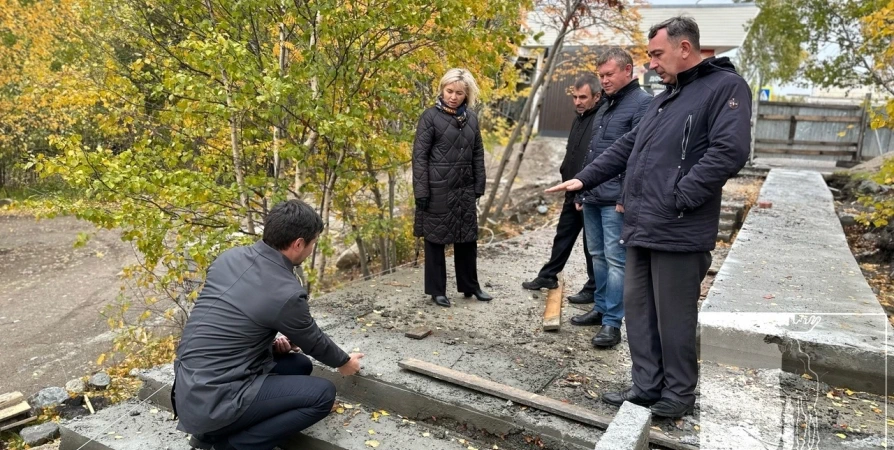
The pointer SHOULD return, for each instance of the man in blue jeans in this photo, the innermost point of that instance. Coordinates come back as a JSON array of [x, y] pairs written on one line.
[[622, 106]]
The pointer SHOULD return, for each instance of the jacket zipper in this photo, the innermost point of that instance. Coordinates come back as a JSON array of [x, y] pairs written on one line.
[[687, 130]]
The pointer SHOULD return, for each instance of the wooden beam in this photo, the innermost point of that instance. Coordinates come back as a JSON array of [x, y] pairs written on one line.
[[14, 410], [786, 117], [802, 151], [550, 405], [19, 423], [812, 105], [552, 314], [864, 119], [10, 399], [816, 143]]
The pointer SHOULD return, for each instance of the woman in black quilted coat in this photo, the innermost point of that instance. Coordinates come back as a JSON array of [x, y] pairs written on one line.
[[448, 178]]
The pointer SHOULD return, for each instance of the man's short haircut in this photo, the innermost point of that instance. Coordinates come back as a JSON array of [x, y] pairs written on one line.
[[588, 79], [679, 28], [618, 54], [290, 220]]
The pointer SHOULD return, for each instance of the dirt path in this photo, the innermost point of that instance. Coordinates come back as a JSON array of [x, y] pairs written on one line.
[[51, 296]]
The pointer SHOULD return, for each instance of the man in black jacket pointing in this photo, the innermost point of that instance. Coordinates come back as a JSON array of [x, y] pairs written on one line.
[[693, 137]]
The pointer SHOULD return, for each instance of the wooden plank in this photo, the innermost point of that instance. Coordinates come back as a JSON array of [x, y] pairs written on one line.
[[18, 423], [803, 151], [864, 118], [14, 410], [552, 314], [11, 398], [418, 333], [837, 119], [812, 105], [550, 405], [816, 143]]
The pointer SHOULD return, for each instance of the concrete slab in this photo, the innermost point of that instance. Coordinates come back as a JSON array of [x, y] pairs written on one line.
[[629, 429], [790, 294], [130, 425]]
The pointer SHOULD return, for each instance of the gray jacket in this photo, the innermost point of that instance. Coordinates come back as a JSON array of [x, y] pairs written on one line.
[[225, 353]]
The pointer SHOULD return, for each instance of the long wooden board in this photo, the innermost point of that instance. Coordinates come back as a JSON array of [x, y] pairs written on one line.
[[531, 399], [10, 398], [14, 410], [19, 423], [552, 314]]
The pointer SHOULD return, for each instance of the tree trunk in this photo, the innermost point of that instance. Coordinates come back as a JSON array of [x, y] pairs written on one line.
[[524, 146], [361, 248], [311, 141], [234, 140], [326, 208], [553, 53]]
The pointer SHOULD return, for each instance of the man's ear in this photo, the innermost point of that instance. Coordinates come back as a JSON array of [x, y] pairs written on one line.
[[685, 48]]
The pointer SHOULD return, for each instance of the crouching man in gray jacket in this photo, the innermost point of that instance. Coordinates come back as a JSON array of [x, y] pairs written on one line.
[[236, 385]]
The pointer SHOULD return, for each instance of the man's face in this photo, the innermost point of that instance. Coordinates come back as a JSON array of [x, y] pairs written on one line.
[[300, 249], [668, 59], [614, 77], [583, 99]]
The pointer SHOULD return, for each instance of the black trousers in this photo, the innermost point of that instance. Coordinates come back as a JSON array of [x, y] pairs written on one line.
[[288, 402], [465, 262], [661, 291], [571, 223]]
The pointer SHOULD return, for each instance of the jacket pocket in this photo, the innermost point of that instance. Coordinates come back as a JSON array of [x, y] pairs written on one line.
[[437, 203]]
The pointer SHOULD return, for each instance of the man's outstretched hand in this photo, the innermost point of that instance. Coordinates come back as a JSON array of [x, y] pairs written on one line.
[[570, 185], [352, 366]]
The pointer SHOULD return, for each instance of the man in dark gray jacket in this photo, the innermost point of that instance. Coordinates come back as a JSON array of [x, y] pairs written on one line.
[[236, 385], [623, 105], [693, 137]]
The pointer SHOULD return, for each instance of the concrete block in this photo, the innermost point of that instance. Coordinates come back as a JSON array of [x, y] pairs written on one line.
[[157, 383], [629, 429], [791, 296]]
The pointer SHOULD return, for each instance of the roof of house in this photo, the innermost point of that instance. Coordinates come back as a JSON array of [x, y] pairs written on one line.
[[722, 27]]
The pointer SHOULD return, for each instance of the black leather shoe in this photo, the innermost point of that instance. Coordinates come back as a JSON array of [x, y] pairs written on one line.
[[671, 408], [200, 443], [581, 298], [480, 295], [608, 336], [588, 319], [441, 300], [618, 398], [540, 283]]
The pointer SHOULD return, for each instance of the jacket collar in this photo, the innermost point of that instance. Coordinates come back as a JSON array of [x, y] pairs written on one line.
[[272, 254], [708, 65], [633, 84], [590, 111]]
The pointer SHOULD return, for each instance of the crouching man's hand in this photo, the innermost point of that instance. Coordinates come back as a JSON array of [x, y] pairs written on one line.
[[352, 366]]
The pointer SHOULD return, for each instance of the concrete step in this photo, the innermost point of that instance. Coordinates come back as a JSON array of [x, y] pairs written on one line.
[[727, 225], [724, 236], [731, 214], [134, 425], [414, 396]]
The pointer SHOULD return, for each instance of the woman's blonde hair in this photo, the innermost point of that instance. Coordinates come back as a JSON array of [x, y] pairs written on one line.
[[462, 76]]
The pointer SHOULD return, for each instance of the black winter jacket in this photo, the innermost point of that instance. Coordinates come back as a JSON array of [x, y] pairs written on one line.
[[693, 137], [448, 168], [619, 114], [578, 139]]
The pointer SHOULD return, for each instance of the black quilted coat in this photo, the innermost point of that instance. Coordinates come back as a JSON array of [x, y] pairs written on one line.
[[448, 168]]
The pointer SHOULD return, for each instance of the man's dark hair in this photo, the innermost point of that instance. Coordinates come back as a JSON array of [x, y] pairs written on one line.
[[588, 79], [679, 28], [618, 54], [290, 220]]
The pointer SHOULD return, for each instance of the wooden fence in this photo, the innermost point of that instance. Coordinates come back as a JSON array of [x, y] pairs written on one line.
[[817, 131]]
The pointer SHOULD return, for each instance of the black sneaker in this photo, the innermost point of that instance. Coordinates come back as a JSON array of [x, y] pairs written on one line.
[[581, 298], [540, 283]]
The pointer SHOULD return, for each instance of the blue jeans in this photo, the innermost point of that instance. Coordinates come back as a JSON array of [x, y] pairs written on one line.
[[602, 228]]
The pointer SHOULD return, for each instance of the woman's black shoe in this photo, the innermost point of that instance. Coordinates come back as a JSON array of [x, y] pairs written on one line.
[[441, 300], [480, 295]]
